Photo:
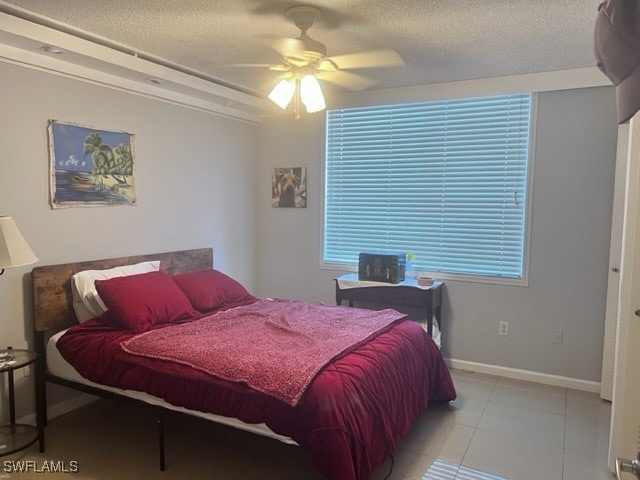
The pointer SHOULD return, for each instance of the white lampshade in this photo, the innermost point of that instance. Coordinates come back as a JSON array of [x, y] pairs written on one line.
[[14, 250], [282, 93], [311, 94]]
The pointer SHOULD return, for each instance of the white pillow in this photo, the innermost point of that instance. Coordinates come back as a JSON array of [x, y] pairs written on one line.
[[86, 301]]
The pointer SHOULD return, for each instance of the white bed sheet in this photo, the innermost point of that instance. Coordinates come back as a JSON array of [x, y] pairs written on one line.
[[58, 366]]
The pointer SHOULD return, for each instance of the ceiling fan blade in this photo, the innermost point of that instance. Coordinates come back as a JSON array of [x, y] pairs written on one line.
[[351, 81], [370, 59], [283, 45], [280, 68], [271, 66]]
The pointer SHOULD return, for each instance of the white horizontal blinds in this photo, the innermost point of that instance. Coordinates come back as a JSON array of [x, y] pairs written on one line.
[[446, 180]]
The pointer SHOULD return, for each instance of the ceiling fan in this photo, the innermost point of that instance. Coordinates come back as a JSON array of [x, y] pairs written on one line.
[[304, 62]]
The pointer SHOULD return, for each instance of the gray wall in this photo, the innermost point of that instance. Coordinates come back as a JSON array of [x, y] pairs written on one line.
[[195, 187], [572, 201], [204, 180]]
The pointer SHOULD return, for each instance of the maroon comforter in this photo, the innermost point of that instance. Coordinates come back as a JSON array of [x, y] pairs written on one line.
[[350, 419]]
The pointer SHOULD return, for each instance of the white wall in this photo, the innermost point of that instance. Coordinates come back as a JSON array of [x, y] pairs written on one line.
[[194, 177], [572, 201]]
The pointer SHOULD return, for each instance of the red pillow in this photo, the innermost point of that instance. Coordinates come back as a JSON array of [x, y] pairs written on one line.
[[139, 301], [210, 289]]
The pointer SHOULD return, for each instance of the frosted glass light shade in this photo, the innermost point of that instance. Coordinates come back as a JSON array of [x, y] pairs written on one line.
[[311, 94], [14, 250], [282, 93]]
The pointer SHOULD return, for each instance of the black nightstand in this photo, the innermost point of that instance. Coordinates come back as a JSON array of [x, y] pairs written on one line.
[[405, 294], [15, 436]]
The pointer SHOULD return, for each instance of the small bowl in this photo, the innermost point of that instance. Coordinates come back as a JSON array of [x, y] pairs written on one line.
[[425, 281]]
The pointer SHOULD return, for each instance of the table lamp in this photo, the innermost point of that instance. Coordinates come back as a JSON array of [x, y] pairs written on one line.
[[14, 250]]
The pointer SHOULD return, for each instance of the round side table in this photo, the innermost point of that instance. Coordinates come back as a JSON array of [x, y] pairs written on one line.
[[15, 436]]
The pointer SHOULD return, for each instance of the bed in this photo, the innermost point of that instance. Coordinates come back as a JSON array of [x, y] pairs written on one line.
[[350, 414]]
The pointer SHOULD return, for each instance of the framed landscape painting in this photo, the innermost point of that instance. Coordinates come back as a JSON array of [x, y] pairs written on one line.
[[90, 167]]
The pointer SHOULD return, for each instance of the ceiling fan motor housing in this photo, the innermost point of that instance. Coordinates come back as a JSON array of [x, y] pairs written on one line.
[[304, 16]]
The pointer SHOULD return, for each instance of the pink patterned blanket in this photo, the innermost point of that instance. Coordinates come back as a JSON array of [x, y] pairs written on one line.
[[274, 346]]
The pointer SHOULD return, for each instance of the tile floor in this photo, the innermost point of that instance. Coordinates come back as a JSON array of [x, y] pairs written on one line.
[[497, 429], [507, 429]]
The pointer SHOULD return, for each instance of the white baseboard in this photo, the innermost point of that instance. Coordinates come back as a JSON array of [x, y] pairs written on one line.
[[527, 375], [61, 408]]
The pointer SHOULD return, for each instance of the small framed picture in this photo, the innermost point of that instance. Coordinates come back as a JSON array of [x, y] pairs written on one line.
[[289, 187]]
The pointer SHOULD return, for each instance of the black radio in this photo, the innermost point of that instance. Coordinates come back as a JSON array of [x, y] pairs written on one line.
[[381, 267]]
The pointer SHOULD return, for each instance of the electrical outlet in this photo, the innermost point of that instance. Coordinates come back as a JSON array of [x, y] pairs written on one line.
[[557, 337], [29, 370], [504, 328]]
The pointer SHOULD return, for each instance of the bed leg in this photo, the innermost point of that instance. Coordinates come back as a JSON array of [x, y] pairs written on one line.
[[161, 441], [41, 403], [41, 382], [41, 391]]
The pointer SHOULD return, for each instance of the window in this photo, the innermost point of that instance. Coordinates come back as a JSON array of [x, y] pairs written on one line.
[[446, 180]]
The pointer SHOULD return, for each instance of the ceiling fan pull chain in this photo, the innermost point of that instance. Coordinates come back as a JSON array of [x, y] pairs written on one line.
[[296, 105]]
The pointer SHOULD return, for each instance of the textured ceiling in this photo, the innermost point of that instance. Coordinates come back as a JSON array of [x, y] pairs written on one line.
[[440, 41]]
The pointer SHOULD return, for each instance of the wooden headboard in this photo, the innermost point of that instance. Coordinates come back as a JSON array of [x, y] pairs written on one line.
[[52, 298]]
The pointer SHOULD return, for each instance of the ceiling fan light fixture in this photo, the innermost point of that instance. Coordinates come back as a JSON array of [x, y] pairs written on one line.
[[311, 94], [282, 93]]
